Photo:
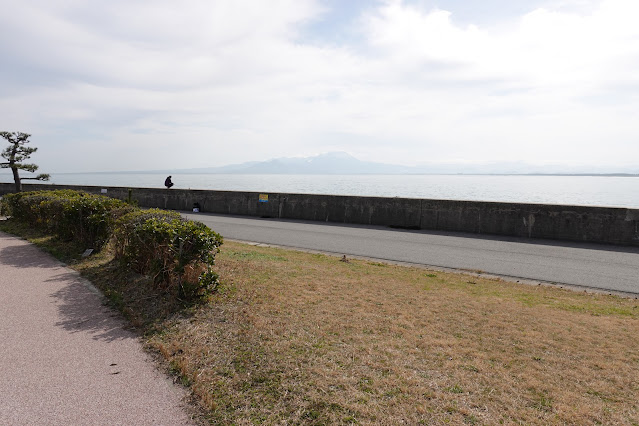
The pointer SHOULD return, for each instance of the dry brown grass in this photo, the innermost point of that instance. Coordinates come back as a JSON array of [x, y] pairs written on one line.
[[299, 338]]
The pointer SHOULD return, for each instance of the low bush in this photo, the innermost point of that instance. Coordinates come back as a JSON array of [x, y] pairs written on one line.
[[70, 215], [177, 253]]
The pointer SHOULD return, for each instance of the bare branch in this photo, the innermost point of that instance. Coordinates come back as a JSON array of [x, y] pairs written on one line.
[[43, 176]]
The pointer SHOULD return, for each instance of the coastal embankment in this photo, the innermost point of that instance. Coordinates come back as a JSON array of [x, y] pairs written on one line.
[[608, 225]]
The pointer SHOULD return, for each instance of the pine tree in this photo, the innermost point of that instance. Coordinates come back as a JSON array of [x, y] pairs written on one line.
[[16, 153]]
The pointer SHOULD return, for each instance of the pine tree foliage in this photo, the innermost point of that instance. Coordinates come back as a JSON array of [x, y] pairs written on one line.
[[16, 153]]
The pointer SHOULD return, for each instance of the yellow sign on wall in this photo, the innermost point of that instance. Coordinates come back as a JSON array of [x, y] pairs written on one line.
[[263, 198]]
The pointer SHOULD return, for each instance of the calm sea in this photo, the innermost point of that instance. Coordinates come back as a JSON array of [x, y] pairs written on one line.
[[572, 190]]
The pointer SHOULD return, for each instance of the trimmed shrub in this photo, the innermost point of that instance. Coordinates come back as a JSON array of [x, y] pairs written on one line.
[[177, 253], [125, 243], [71, 215]]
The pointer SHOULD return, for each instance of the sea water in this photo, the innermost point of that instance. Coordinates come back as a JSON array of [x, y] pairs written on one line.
[[569, 190]]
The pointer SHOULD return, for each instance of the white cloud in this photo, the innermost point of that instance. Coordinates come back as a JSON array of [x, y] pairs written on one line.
[[156, 84], [527, 87]]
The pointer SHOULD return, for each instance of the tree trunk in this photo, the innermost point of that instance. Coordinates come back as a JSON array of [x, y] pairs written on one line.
[[16, 178]]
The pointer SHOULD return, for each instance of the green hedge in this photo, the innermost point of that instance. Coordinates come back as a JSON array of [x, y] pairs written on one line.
[[71, 215], [177, 253]]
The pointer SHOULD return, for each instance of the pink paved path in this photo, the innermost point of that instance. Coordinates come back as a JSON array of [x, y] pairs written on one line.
[[65, 358]]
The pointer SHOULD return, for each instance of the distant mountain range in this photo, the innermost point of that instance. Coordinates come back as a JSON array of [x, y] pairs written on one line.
[[341, 163], [333, 163]]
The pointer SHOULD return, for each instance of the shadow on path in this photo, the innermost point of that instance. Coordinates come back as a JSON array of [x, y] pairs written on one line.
[[82, 310], [25, 256]]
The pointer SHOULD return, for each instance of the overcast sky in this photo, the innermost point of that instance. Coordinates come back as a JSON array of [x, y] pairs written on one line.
[[139, 85]]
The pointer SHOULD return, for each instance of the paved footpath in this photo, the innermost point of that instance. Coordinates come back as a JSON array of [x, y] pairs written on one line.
[[65, 358]]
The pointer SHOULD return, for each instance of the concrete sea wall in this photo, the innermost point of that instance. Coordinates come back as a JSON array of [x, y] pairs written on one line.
[[559, 222]]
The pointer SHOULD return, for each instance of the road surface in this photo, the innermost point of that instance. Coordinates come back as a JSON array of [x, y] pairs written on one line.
[[594, 266]]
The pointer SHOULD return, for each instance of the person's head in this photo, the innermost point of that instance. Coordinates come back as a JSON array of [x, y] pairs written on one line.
[[170, 177]]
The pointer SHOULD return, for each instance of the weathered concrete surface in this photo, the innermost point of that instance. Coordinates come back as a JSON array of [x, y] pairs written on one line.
[[66, 358], [571, 223]]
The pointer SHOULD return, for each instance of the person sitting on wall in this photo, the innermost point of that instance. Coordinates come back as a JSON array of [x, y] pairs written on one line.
[[168, 183]]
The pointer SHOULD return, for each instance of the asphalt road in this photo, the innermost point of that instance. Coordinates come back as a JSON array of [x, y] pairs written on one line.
[[594, 266]]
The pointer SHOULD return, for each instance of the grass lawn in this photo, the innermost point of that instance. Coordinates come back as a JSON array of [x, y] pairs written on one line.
[[300, 338]]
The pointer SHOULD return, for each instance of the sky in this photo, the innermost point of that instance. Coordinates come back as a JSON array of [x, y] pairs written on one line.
[[159, 84]]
